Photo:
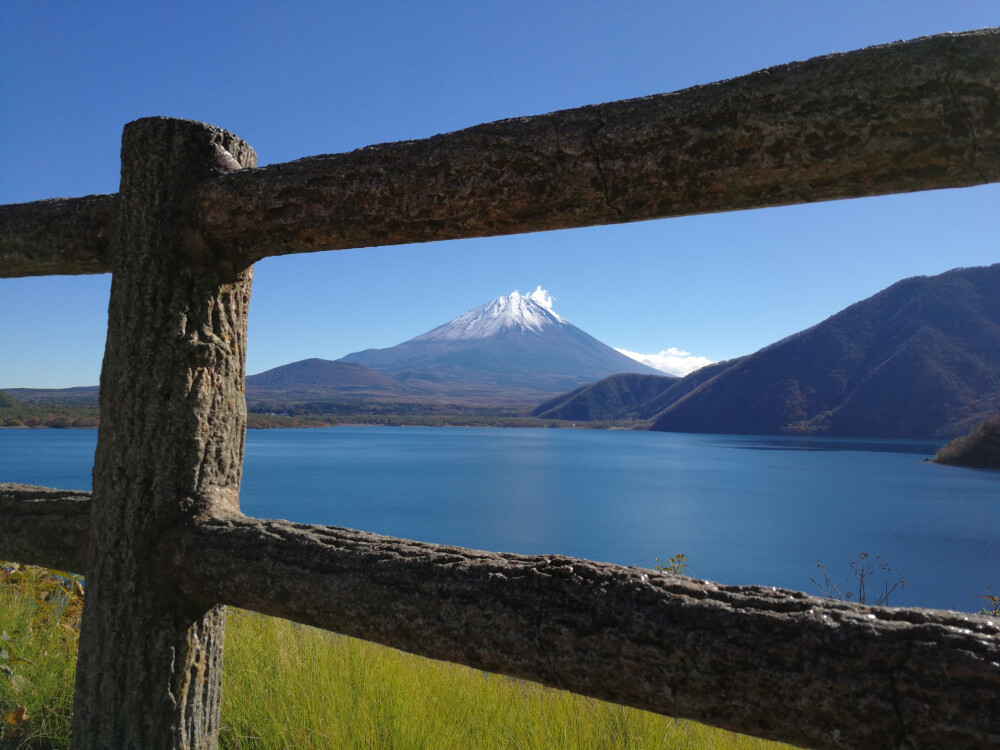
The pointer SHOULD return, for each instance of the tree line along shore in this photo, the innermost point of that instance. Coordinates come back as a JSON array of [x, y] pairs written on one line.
[[980, 448]]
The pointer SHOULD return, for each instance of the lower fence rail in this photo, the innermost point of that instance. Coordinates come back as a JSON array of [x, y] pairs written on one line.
[[768, 662]]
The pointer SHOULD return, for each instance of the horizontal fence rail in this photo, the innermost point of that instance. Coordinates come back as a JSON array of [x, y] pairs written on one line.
[[164, 546], [59, 236], [837, 674], [901, 117], [44, 526]]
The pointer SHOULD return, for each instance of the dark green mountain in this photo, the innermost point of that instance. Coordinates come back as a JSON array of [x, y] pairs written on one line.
[[623, 396], [920, 359]]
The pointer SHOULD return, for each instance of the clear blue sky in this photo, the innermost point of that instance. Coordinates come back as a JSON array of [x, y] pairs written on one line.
[[301, 78]]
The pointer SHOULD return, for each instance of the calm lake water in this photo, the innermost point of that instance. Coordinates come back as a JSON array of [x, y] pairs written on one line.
[[743, 509]]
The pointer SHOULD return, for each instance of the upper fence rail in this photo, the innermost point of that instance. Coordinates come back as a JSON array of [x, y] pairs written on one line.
[[901, 117]]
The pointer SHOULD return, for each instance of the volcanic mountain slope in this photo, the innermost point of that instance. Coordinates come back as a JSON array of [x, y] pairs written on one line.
[[514, 348], [311, 379], [919, 359]]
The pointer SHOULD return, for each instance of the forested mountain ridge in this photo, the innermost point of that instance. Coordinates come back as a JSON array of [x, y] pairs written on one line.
[[920, 359], [17, 413], [625, 396]]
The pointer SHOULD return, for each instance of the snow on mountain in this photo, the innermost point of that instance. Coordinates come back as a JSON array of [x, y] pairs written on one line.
[[513, 348], [513, 312]]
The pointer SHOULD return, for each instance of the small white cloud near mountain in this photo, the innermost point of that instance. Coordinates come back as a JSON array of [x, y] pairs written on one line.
[[542, 297], [672, 361]]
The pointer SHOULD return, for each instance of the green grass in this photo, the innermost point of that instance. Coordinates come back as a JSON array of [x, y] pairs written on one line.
[[290, 686], [321, 690], [39, 618]]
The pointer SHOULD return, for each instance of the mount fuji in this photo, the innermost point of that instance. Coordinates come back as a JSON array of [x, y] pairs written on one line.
[[514, 349]]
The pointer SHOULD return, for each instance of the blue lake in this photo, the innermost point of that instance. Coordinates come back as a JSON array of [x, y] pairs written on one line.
[[743, 509]]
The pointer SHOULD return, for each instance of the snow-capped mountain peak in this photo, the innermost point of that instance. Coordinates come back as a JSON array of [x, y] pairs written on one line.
[[513, 312], [514, 347]]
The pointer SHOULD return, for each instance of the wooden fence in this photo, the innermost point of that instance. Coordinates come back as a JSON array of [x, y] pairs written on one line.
[[164, 546]]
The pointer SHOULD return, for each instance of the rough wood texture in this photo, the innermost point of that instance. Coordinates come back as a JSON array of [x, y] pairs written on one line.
[[763, 661], [170, 447], [63, 235], [42, 526], [902, 117], [907, 116]]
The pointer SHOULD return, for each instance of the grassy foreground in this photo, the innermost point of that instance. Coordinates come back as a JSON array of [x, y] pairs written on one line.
[[290, 686]]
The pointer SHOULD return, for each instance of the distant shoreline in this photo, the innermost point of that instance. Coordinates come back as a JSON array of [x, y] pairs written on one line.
[[436, 421]]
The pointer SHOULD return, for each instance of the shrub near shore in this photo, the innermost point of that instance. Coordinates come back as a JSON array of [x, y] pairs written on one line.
[[287, 685], [979, 449]]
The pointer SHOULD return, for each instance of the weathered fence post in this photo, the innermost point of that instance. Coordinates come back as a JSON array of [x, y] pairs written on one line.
[[170, 447]]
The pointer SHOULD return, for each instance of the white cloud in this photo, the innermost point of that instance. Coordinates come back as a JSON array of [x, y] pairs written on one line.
[[672, 361], [541, 296]]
